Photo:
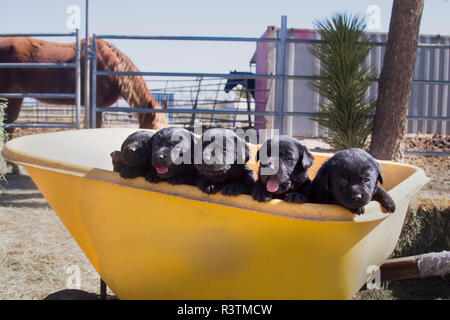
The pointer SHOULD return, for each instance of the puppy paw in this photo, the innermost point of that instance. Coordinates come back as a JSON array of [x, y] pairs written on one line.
[[295, 197], [130, 173], [152, 178], [210, 189], [261, 195], [388, 206], [234, 189], [357, 211], [176, 180]]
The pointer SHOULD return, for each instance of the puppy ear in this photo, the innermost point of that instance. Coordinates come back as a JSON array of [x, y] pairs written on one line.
[[307, 158], [323, 175], [380, 177]]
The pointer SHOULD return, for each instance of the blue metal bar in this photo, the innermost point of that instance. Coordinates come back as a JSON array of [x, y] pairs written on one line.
[[184, 110], [38, 95], [187, 38], [427, 118], [372, 43], [38, 65], [234, 76], [77, 79], [239, 112], [431, 82], [40, 125], [87, 67], [415, 81], [281, 70], [93, 104], [429, 153], [187, 74], [245, 39], [422, 153], [71, 34]]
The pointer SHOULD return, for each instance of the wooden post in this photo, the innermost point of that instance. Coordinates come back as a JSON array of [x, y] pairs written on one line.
[[420, 266]]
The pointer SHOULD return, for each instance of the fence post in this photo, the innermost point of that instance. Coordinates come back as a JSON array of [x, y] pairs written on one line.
[[77, 79], [87, 68], [281, 73], [93, 105]]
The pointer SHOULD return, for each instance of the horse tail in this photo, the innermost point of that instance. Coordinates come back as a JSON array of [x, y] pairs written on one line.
[[133, 89]]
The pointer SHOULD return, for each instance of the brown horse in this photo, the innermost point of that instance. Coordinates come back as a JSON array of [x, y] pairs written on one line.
[[62, 80]]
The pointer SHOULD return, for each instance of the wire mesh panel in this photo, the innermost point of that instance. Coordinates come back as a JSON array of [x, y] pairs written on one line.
[[198, 93]]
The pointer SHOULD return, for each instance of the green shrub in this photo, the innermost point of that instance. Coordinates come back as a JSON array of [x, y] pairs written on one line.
[[343, 81]]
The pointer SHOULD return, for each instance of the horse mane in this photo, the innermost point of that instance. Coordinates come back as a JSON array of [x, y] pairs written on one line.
[[133, 89]]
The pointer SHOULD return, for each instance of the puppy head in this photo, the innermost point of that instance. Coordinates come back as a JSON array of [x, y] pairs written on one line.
[[351, 176], [135, 149], [283, 164], [221, 149], [171, 147]]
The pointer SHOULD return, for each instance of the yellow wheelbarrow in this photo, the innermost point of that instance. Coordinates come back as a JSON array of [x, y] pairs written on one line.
[[159, 241]]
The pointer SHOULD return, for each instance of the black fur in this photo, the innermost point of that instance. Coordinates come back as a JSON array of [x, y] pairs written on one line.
[[231, 177], [166, 145], [291, 177], [349, 179], [133, 159]]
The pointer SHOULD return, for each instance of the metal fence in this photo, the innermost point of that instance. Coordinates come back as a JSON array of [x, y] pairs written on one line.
[[280, 78], [279, 112], [41, 95]]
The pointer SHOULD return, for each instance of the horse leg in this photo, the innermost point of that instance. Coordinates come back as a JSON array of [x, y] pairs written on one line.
[[11, 115], [98, 119]]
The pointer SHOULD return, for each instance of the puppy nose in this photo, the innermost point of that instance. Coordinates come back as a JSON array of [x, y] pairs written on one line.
[[356, 196], [161, 156]]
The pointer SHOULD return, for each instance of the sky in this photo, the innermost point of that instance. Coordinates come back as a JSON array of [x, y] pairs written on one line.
[[237, 18]]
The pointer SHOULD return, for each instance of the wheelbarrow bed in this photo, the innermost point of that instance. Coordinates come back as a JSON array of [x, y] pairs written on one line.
[[158, 241]]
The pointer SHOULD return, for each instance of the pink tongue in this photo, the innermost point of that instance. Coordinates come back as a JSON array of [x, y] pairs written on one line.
[[272, 185], [162, 170]]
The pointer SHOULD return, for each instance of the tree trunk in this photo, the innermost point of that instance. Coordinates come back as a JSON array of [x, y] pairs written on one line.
[[394, 85]]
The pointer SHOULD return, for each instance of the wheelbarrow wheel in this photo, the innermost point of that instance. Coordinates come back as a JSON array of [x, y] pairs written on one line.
[[72, 294]]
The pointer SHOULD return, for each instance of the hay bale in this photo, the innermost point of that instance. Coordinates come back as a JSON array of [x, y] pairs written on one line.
[[426, 229]]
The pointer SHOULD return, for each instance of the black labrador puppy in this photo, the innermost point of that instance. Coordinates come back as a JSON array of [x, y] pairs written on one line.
[[223, 164], [282, 174], [349, 179], [133, 159], [172, 157]]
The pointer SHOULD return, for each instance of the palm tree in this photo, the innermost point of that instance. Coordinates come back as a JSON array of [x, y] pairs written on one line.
[[343, 81]]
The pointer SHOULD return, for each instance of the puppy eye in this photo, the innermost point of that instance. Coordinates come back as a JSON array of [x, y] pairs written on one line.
[[365, 180], [343, 181]]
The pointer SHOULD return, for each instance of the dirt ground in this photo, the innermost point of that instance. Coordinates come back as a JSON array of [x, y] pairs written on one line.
[[37, 252]]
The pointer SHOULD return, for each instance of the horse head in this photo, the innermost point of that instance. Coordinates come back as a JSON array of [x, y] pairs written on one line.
[[245, 82], [156, 120]]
